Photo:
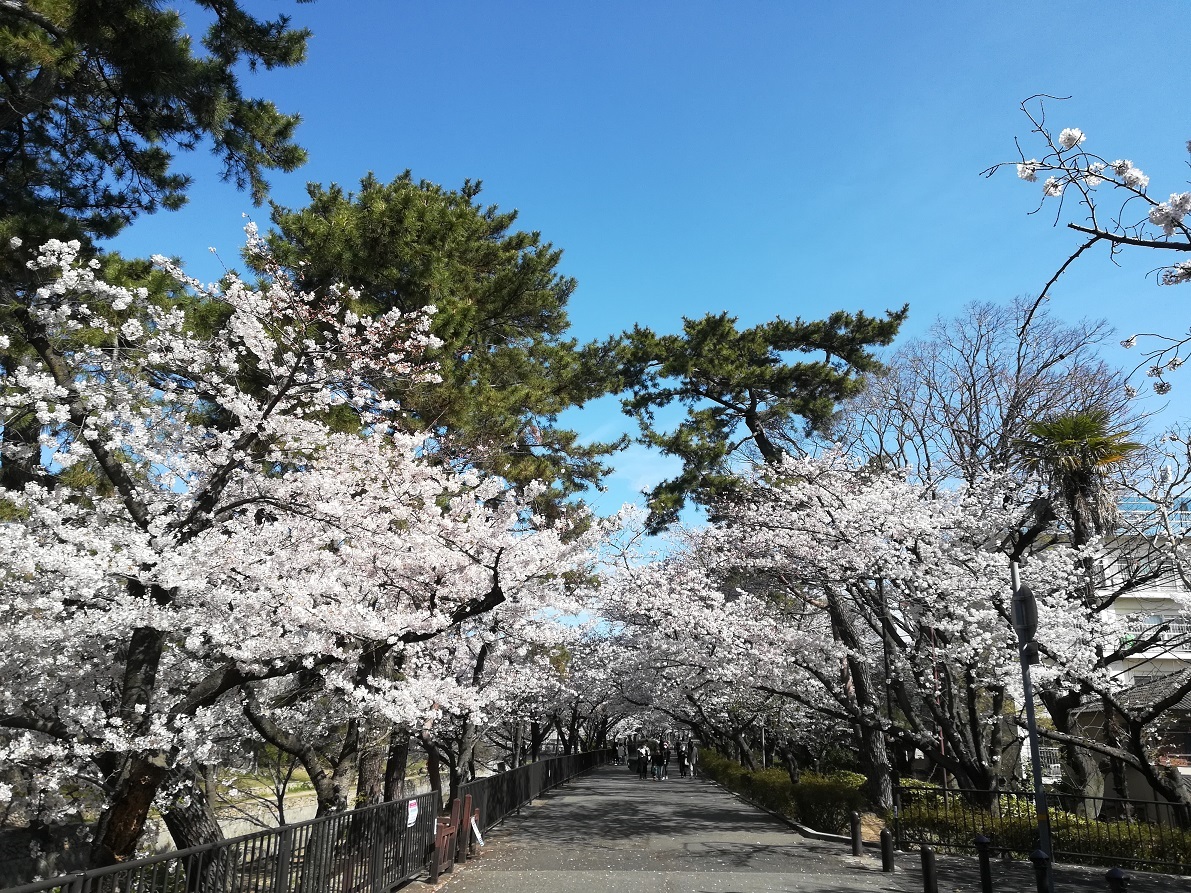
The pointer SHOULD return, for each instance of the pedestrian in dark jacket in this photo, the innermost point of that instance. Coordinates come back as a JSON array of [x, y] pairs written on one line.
[[656, 767]]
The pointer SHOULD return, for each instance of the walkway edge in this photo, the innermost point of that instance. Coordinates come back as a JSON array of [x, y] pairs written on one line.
[[789, 822]]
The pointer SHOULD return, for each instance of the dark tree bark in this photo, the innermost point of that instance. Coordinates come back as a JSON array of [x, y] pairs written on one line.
[[123, 822], [191, 822], [433, 770], [138, 776], [370, 780], [396, 761]]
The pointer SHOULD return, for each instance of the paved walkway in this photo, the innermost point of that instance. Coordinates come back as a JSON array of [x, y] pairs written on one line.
[[609, 832]]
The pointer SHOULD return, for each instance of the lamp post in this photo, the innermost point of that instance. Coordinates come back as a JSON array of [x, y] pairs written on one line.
[[1025, 624]]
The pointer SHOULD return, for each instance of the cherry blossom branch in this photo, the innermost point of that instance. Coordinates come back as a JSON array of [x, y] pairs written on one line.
[[1122, 239], [1088, 743], [51, 728], [1164, 226], [1045, 293], [115, 472]]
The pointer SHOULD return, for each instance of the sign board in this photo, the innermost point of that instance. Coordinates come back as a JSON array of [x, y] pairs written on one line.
[[413, 813]]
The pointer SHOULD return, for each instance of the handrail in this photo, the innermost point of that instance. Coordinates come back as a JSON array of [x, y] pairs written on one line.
[[374, 848]]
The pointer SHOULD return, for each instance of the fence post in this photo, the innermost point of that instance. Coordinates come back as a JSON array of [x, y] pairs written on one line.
[[886, 850], [463, 837], [857, 846], [1041, 862], [434, 863], [930, 874], [1118, 881], [381, 824], [982, 848], [285, 848]]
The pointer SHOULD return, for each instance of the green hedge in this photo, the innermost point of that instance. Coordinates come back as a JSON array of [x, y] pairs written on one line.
[[821, 802], [952, 823], [826, 802]]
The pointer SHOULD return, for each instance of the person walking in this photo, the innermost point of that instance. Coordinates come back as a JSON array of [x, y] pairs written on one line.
[[666, 760], [642, 760], [656, 763]]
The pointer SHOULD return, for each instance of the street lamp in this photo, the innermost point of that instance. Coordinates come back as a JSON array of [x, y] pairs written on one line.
[[1025, 624]]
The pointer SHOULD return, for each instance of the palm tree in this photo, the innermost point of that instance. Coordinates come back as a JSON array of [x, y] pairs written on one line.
[[1075, 453]]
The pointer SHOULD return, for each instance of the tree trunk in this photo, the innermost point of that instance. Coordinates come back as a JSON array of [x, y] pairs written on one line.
[[518, 742], [563, 736], [139, 776], [1081, 775], [120, 826], [190, 818], [870, 739], [572, 744], [744, 755], [433, 770], [370, 778], [790, 761], [461, 771], [396, 762], [191, 822]]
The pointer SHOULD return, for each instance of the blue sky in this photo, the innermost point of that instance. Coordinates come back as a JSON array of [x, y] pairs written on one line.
[[764, 158]]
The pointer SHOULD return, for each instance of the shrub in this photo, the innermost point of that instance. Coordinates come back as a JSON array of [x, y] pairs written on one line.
[[826, 802], [823, 802], [770, 788], [727, 772], [952, 822]]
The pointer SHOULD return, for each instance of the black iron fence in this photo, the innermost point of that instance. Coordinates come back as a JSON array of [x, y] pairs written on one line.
[[498, 795], [369, 850], [1145, 834]]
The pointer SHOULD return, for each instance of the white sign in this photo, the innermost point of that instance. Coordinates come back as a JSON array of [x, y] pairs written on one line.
[[475, 830], [413, 813]]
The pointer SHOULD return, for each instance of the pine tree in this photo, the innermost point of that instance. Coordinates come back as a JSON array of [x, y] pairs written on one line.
[[97, 95], [507, 367], [743, 398]]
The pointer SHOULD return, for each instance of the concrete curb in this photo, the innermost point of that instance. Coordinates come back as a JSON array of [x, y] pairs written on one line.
[[803, 830]]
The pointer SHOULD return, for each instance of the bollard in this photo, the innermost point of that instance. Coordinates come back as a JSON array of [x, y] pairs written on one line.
[[857, 846], [982, 848], [930, 874], [1118, 881], [886, 850], [1041, 871]]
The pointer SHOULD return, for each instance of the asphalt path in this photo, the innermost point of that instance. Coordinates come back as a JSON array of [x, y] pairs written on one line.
[[610, 832]]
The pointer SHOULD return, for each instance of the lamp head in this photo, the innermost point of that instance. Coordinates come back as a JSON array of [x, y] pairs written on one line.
[[1025, 614]]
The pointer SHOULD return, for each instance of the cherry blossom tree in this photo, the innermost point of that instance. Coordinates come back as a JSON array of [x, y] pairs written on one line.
[[970, 400], [845, 592], [233, 543], [1112, 206]]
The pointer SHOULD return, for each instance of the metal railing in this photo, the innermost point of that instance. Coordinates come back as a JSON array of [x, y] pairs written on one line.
[[368, 850], [1177, 633], [1146, 834], [498, 795]]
